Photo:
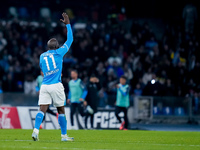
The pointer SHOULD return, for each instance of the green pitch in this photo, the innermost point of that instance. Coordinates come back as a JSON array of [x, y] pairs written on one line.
[[100, 139]]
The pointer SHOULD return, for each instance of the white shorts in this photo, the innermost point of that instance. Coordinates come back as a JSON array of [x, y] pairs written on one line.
[[52, 92]]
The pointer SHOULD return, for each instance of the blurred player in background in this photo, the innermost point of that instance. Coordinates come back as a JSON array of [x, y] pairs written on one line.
[[39, 83], [122, 102], [92, 99], [76, 96], [52, 88]]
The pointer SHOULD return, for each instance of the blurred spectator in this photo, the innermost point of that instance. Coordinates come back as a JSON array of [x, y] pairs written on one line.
[[8, 83], [190, 17], [115, 68], [128, 72], [45, 12], [192, 62], [151, 43], [147, 76], [29, 81], [23, 12], [13, 11], [169, 91], [138, 90], [30, 86], [101, 74], [153, 87], [102, 98], [3, 42], [196, 103]]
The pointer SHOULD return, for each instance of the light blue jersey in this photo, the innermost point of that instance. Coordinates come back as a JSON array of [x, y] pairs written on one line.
[[77, 90], [51, 61], [123, 96]]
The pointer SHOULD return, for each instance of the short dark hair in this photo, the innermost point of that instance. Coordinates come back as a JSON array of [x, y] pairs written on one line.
[[53, 44], [92, 75], [124, 77], [74, 70]]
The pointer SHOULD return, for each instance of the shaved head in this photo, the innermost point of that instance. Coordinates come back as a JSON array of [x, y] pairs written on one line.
[[53, 44]]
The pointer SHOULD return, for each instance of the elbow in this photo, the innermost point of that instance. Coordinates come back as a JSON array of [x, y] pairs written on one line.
[[72, 40]]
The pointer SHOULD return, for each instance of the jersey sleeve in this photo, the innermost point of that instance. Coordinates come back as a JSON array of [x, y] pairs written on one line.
[[65, 48], [69, 94], [85, 91]]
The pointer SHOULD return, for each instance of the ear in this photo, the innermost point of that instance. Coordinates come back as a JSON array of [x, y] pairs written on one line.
[[57, 45]]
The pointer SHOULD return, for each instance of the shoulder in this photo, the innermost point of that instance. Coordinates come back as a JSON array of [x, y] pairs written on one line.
[[62, 49], [44, 54], [127, 86], [64, 46], [41, 55]]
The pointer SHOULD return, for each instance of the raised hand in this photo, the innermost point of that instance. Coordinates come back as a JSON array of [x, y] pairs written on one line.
[[65, 19]]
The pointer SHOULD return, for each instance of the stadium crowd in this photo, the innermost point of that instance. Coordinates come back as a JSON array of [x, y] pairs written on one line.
[[166, 67]]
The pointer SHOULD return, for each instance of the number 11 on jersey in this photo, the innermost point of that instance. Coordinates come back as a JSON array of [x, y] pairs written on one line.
[[53, 61]]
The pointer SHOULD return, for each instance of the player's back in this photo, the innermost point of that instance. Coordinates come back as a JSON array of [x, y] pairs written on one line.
[[51, 61], [51, 65]]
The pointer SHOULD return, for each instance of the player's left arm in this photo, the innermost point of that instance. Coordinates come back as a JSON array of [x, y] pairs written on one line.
[[85, 91], [69, 96], [65, 48]]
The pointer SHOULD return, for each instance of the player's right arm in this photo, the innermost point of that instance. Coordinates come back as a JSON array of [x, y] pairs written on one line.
[[69, 97], [65, 48], [85, 92]]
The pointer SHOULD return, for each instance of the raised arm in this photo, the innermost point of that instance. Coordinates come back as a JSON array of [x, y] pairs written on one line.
[[64, 49]]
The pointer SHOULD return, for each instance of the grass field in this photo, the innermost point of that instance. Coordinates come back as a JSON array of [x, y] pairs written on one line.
[[100, 139]]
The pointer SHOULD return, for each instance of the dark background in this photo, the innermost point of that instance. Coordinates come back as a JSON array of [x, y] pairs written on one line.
[[166, 9]]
